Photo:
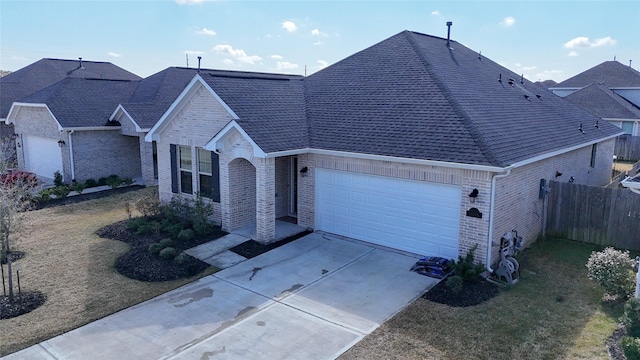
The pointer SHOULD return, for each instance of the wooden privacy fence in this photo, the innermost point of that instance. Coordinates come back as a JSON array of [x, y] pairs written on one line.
[[596, 215], [628, 148]]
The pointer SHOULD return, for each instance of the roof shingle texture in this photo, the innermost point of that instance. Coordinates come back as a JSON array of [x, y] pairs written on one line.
[[610, 73], [411, 96], [603, 102], [79, 102], [46, 72]]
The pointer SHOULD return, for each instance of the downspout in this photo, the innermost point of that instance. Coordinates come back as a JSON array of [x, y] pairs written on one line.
[[73, 169], [493, 201]]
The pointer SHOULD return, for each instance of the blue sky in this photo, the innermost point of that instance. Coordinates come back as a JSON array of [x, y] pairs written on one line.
[[540, 39]]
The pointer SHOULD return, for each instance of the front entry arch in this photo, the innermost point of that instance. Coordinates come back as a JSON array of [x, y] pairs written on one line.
[[242, 181]]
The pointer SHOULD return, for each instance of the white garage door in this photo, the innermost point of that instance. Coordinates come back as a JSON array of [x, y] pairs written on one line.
[[42, 156], [414, 216]]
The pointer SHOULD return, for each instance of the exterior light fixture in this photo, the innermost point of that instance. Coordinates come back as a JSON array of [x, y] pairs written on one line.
[[473, 195], [61, 143], [304, 171]]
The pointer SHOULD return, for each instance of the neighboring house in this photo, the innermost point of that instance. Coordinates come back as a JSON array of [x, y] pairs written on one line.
[[65, 127], [389, 146], [604, 103], [45, 72]]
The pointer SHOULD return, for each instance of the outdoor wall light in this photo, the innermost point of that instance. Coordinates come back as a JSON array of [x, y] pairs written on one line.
[[558, 173], [61, 143], [14, 136], [473, 195], [304, 171]]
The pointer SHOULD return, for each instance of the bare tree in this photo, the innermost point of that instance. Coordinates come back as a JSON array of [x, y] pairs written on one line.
[[16, 188]]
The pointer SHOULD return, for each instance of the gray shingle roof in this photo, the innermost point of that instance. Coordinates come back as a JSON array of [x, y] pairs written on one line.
[[599, 100], [411, 96], [610, 73], [270, 107], [79, 102], [46, 72]]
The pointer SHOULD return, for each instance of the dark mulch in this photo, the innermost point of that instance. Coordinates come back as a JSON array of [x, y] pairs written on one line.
[[86, 196], [22, 303], [472, 293], [614, 346], [140, 264], [14, 255], [252, 248]]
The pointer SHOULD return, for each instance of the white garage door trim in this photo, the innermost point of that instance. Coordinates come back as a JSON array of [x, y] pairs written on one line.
[[42, 156], [414, 216]]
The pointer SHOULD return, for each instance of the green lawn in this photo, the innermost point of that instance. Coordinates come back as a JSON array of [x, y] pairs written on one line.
[[554, 312]]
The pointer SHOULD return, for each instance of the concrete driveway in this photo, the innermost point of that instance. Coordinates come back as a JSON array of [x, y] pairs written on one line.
[[313, 298]]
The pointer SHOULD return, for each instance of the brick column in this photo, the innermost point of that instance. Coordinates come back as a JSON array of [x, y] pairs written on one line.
[[225, 193], [146, 162], [265, 199]]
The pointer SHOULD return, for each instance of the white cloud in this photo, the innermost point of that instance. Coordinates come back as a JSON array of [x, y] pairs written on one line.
[[584, 42], [290, 26], [113, 54], [318, 43], [315, 32], [435, 12], [194, 52], [227, 61], [322, 64], [573, 53], [548, 74], [508, 21], [285, 65], [237, 54], [190, 2], [276, 57], [206, 31]]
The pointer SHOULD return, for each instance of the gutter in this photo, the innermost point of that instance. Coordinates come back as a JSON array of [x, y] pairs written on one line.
[[73, 168], [492, 206]]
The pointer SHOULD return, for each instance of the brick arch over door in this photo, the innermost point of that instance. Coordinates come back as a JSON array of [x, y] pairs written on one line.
[[242, 193]]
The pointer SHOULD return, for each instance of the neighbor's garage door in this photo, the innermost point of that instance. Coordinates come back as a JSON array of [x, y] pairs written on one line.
[[42, 156], [415, 216]]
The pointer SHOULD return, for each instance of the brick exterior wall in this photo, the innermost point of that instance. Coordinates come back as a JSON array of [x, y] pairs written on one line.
[[102, 153], [147, 163], [517, 196], [283, 186], [242, 195]]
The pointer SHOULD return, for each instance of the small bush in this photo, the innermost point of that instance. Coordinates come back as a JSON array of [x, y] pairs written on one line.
[[90, 183], [166, 242], [58, 180], [155, 248], [45, 195], [61, 191], [134, 224], [78, 187], [186, 235], [466, 268], [631, 317], [102, 181], [181, 258], [127, 181], [173, 229], [613, 269], [113, 181], [149, 205], [148, 227], [167, 253], [631, 347], [455, 283]]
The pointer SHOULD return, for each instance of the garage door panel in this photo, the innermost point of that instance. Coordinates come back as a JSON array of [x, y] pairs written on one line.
[[415, 216], [42, 156]]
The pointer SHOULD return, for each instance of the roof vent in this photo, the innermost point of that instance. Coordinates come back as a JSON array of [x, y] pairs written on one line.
[[80, 66], [199, 58], [511, 81], [538, 96], [449, 23], [500, 78], [580, 128], [527, 97]]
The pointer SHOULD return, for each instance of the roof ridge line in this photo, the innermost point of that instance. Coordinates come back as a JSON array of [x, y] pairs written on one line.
[[457, 108]]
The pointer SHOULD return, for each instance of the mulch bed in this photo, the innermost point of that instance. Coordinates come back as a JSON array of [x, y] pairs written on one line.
[[614, 347], [252, 248], [85, 196], [472, 293], [140, 264], [22, 303], [15, 256]]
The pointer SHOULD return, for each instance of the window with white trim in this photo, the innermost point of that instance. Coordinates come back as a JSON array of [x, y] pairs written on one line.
[[205, 175], [186, 173]]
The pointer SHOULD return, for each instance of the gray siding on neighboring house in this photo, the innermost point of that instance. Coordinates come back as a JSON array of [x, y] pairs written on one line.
[[518, 206], [102, 153]]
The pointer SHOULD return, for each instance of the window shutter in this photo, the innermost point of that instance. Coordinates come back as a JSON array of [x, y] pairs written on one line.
[[174, 168], [215, 177]]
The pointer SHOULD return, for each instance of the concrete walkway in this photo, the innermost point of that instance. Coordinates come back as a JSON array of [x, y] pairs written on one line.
[[313, 298]]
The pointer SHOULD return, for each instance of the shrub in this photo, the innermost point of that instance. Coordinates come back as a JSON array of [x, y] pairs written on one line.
[[61, 191], [631, 347], [91, 183], [149, 205], [45, 195], [455, 283], [173, 229], [134, 224], [147, 227], [167, 253], [113, 181], [613, 269], [166, 242], [78, 187], [466, 268], [57, 179], [631, 317], [177, 210], [186, 235], [24, 179], [181, 258], [102, 181], [127, 181], [200, 220], [155, 248]]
